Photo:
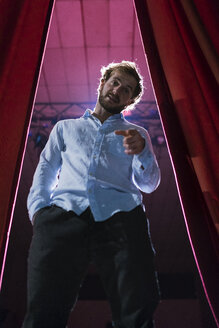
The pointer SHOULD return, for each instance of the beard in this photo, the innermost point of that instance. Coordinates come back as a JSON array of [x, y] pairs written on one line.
[[109, 107]]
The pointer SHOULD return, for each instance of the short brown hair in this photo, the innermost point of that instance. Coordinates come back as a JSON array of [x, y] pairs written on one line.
[[129, 68]]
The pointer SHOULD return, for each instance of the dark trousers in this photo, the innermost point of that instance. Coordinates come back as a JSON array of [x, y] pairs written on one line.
[[62, 247]]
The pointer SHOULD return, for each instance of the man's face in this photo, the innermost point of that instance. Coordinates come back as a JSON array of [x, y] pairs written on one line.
[[117, 92]]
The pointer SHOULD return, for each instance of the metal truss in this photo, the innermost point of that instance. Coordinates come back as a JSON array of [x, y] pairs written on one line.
[[46, 115]]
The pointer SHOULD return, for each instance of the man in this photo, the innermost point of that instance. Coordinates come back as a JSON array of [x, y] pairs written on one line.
[[86, 206]]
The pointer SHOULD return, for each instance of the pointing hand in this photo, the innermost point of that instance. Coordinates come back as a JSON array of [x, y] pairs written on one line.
[[133, 142]]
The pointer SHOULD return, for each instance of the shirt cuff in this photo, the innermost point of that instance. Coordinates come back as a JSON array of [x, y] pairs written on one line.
[[144, 158]]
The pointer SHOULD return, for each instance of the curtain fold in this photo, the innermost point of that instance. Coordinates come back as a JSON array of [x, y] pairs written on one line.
[[181, 46], [23, 32]]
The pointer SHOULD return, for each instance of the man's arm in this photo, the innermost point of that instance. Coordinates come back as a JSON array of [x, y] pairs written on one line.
[[45, 177], [146, 173]]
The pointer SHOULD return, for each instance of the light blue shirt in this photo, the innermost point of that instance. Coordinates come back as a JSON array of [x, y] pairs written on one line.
[[84, 164]]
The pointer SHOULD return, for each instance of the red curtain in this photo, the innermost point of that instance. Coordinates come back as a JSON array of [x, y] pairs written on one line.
[[182, 46], [23, 30]]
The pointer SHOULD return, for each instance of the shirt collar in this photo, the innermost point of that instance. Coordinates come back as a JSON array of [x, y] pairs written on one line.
[[88, 113]]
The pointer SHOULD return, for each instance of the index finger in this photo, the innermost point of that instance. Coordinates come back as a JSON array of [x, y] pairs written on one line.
[[123, 133], [126, 133]]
